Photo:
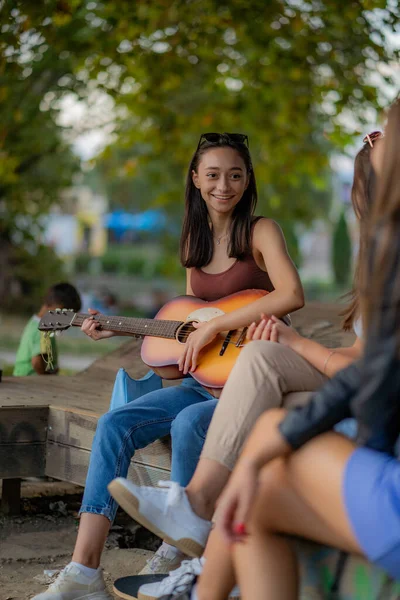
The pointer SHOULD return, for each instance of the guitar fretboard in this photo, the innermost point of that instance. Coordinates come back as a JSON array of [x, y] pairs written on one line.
[[152, 327]]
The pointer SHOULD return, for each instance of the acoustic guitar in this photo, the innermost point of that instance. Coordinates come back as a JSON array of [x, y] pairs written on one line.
[[164, 335]]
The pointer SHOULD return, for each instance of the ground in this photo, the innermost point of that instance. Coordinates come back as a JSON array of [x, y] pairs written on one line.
[[43, 536]]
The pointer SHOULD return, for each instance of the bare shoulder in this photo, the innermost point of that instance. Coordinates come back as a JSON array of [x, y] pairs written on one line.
[[266, 229]]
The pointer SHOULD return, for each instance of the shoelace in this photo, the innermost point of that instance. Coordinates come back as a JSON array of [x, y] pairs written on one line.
[[58, 578], [50, 579], [175, 493], [156, 561], [177, 580]]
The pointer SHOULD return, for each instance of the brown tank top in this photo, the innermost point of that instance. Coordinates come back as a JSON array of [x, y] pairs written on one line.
[[242, 275]]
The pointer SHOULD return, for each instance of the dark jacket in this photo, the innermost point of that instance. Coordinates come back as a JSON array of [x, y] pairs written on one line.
[[368, 390]]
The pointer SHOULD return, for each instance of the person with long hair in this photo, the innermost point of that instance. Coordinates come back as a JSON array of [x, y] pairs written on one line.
[[294, 476], [225, 249], [266, 375]]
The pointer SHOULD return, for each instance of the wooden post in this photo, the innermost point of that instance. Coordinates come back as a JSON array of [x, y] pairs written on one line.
[[11, 497]]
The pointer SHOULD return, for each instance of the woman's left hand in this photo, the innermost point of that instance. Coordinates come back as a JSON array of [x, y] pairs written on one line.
[[236, 501], [196, 341]]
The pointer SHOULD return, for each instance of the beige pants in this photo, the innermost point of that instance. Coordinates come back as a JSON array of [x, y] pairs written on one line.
[[266, 375]]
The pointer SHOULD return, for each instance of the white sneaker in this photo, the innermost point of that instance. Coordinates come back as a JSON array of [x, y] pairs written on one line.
[[166, 559], [179, 582], [72, 584], [165, 511]]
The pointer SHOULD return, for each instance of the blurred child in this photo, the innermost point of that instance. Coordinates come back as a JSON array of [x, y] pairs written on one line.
[[32, 357]]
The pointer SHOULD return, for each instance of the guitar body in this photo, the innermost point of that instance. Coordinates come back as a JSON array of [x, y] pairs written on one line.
[[212, 371]]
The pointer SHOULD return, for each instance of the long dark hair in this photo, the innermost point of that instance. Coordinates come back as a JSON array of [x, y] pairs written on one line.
[[380, 277], [196, 245], [362, 193]]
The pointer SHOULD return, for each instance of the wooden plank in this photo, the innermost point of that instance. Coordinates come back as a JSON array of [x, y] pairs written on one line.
[[71, 464], [23, 433], [73, 428], [23, 424], [11, 497], [22, 460]]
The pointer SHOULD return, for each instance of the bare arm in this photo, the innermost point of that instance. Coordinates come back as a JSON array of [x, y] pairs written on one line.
[[328, 360], [288, 294]]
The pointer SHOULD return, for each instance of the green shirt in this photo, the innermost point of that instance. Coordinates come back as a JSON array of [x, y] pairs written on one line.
[[32, 344]]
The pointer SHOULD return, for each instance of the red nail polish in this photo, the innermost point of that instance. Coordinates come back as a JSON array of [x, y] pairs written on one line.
[[240, 529]]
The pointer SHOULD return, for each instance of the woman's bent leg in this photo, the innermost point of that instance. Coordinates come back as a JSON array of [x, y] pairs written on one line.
[[218, 576], [188, 433], [119, 433], [263, 374]]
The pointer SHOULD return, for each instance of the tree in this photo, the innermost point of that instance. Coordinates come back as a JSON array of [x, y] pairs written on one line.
[[285, 72], [341, 252]]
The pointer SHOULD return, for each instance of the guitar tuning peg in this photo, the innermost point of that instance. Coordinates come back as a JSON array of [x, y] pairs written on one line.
[[58, 333]]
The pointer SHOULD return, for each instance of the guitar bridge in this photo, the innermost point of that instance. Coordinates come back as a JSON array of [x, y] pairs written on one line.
[[226, 342], [239, 343]]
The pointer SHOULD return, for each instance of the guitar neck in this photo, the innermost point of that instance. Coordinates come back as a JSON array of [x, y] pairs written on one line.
[[151, 327]]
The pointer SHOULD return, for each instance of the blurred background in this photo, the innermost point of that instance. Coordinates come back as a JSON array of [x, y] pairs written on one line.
[[102, 104]]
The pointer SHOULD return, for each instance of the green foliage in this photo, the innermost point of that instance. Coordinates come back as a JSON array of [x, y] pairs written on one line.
[[284, 72], [82, 263], [132, 260], [341, 252], [292, 241], [111, 263], [323, 290], [35, 271]]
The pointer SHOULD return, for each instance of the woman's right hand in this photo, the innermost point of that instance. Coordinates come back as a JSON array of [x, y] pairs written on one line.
[[90, 325], [236, 502], [273, 329]]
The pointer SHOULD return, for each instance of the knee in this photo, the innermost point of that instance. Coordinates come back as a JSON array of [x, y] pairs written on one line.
[[188, 422], [272, 481], [272, 477], [270, 419], [259, 347], [255, 348], [266, 355], [107, 422]]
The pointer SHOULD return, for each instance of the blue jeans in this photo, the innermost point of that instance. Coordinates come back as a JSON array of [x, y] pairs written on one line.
[[185, 411]]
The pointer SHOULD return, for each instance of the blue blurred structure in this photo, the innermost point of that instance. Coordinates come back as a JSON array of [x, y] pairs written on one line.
[[121, 222]]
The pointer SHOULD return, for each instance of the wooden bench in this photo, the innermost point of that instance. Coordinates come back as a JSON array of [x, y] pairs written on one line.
[[47, 425]]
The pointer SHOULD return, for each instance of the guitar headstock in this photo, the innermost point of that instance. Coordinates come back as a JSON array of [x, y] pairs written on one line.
[[57, 320]]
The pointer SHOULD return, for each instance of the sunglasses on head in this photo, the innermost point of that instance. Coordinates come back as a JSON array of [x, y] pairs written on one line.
[[370, 138], [238, 138]]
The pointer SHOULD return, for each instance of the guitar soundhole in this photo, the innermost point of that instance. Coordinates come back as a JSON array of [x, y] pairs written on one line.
[[183, 332]]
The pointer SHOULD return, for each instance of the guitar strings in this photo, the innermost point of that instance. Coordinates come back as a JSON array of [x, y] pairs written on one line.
[[184, 331]]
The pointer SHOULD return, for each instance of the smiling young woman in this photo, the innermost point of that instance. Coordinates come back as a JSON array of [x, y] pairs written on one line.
[[225, 249]]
